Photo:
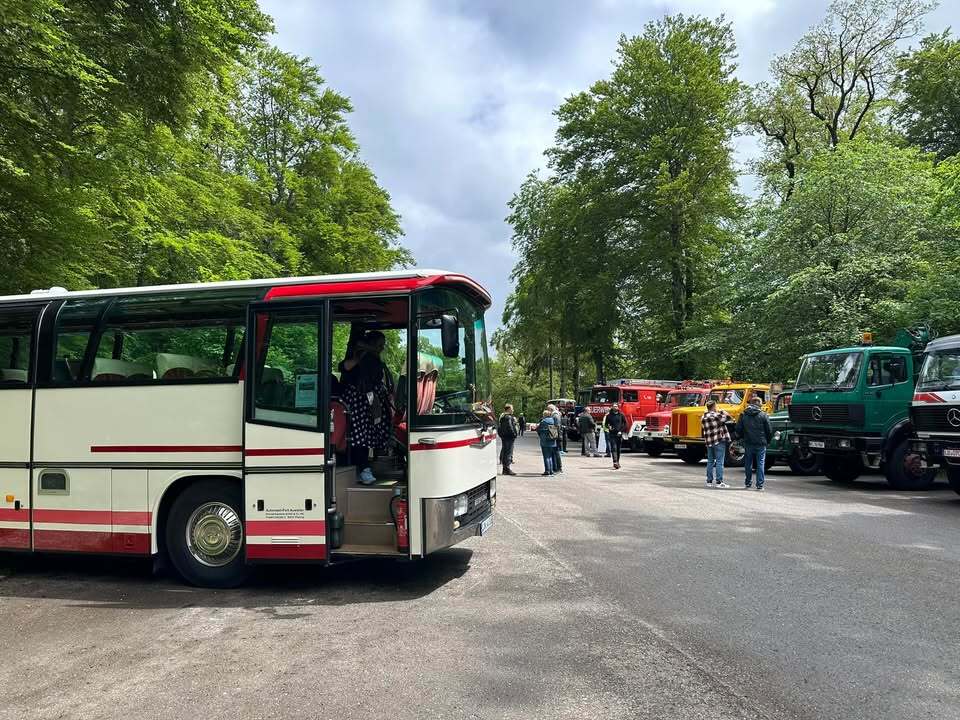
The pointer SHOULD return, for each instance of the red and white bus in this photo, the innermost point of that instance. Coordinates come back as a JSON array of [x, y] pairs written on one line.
[[207, 422]]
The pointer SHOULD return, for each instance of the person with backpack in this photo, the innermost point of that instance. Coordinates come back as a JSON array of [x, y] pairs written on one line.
[[615, 424], [548, 432], [508, 431], [558, 422], [755, 429], [588, 438]]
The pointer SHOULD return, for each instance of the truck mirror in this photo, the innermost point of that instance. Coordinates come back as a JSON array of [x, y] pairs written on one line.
[[450, 336]]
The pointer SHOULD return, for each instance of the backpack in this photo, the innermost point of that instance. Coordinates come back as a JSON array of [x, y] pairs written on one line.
[[553, 431]]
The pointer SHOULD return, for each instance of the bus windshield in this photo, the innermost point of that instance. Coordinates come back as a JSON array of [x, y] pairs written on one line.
[[605, 395], [451, 389], [836, 371], [941, 370], [685, 399]]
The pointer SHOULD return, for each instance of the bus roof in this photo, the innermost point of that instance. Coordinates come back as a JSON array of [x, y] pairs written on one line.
[[350, 283]]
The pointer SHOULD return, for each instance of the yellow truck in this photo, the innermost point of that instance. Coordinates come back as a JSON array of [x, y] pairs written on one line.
[[733, 397]]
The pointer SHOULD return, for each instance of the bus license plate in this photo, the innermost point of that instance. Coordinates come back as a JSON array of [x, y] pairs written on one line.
[[681, 446], [817, 444], [951, 452], [485, 525]]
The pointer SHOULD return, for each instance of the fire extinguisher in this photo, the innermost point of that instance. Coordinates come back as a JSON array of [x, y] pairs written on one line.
[[398, 511]]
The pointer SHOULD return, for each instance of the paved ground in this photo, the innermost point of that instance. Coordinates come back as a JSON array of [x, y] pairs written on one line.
[[599, 594]]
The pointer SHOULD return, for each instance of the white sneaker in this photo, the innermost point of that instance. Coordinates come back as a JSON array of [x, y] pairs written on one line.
[[366, 477], [722, 485]]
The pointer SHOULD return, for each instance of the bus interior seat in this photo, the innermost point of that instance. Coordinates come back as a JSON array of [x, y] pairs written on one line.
[[176, 367], [426, 392], [110, 370], [271, 390], [338, 416], [13, 375]]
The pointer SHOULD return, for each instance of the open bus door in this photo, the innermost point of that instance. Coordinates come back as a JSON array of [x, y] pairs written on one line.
[[287, 472]]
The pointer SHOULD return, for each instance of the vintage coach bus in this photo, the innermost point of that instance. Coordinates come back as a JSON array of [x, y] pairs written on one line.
[[208, 422]]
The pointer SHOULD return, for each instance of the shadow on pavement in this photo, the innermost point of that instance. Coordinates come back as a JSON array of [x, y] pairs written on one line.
[[111, 582]]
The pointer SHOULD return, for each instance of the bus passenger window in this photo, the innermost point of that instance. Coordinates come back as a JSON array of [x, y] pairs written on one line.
[[286, 388], [16, 332], [75, 324]]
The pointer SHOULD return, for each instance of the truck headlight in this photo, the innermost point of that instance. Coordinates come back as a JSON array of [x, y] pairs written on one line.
[[460, 505], [493, 488], [844, 443], [776, 435]]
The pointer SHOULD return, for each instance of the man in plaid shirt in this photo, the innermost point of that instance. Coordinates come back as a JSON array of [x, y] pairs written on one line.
[[717, 437]]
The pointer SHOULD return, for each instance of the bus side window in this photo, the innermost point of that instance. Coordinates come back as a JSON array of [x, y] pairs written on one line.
[[75, 325], [16, 334]]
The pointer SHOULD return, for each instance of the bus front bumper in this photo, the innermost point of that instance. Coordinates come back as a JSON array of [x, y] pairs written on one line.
[[442, 529]]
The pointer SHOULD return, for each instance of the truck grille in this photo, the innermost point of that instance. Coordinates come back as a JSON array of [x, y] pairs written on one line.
[[678, 425], [653, 423], [934, 418], [827, 413]]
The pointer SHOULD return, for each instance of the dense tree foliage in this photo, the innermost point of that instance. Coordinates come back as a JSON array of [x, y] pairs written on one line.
[[162, 141], [855, 226]]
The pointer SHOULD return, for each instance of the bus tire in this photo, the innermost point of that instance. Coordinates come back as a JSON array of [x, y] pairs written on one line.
[[691, 456], [953, 477], [904, 469], [842, 469], [803, 462], [204, 537], [653, 450]]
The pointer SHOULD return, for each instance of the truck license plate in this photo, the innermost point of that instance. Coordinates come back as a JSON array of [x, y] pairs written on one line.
[[951, 452], [485, 525], [817, 444], [681, 446]]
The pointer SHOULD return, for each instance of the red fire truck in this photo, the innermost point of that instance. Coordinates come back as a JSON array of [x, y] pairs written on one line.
[[636, 398], [656, 434]]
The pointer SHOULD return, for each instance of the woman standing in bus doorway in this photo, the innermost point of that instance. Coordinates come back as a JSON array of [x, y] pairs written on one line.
[[548, 431], [367, 388]]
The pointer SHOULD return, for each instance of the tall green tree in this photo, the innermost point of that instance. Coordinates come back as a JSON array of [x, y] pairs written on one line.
[[653, 145], [928, 88]]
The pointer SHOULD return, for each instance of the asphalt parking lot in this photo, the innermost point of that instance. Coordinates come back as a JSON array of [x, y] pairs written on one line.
[[636, 593]]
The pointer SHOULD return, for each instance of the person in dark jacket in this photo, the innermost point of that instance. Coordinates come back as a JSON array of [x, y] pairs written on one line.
[[588, 438], [755, 430], [522, 421], [508, 431], [548, 432], [615, 423]]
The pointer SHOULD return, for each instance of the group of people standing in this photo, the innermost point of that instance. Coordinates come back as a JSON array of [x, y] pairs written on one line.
[[753, 428], [612, 428]]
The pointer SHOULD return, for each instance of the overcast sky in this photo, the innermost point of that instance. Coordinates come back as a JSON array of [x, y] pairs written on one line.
[[453, 101]]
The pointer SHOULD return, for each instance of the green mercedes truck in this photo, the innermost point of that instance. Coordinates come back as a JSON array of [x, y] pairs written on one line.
[[851, 407]]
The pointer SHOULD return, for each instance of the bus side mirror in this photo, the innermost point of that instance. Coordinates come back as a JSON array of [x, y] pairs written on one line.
[[450, 336]]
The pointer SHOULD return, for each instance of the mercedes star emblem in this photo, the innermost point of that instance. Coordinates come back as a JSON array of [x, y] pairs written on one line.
[[818, 413], [953, 417]]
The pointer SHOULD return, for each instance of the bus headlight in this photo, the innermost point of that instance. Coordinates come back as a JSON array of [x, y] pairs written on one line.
[[460, 505]]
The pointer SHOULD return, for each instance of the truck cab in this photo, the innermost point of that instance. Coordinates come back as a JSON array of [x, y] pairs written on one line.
[[851, 406], [656, 433], [935, 409], [685, 431], [636, 398]]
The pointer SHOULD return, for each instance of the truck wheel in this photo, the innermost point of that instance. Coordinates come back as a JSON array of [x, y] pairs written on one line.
[[204, 537], [691, 456], [768, 461], [654, 450], [953, 477], [735, 454], [636, 444], [905, 471], [804, 462], [842, 469], [573, 435]]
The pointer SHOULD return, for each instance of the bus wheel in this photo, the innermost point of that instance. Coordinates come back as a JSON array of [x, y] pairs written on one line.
[[953, 477], [842, 469], [691, 456], [905, 470], [735, 454], [654, 450], [804, 462], [205, 535]]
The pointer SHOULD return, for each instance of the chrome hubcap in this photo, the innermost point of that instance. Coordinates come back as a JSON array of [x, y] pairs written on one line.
[[214, 534]]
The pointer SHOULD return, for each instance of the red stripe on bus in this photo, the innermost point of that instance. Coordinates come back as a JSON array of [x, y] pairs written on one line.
[[286, 552], [91, 542], [11, 538], [271, 452], [92, 517], [286, 527], [165, 448], [11, 515], [452, 443]]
